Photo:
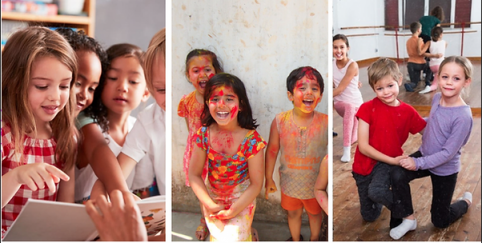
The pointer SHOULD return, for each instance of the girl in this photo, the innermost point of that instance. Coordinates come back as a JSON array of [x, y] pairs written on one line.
[[321, 184], [200, 66], [347, 97], [448, 129], [437, 46], [229, 142], [123, 90], [38, 133], [93, 148]]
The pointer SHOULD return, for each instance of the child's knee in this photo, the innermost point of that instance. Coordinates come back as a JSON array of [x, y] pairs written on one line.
[[295, 213]]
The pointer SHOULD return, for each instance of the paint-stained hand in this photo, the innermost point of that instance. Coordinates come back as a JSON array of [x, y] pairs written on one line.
[[270, 187], [224, 214], [408, 163]]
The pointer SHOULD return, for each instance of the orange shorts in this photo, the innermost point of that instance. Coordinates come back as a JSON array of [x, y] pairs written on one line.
[[291, 203]]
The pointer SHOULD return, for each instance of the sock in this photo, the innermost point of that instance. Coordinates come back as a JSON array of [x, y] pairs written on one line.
[[467, 196], [346, 155], [406, 226]]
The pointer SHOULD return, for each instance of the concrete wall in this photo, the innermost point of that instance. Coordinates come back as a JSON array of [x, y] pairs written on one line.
[[261, 42], [371, 13]]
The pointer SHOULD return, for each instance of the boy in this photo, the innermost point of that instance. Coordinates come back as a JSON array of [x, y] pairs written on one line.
[[383, 127], [301, 135], [416, 57]]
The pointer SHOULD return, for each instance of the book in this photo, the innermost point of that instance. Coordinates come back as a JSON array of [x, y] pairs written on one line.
[[42, 220]]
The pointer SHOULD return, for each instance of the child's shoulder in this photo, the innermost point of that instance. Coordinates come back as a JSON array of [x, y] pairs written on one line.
[[189, 96]]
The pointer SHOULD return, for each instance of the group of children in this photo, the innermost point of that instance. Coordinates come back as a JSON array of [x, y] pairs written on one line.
[[66, 106], [224, 147]]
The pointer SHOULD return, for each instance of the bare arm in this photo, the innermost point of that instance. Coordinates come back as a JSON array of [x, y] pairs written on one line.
[[351, 72], [67, 188], [422, 48], [321, 185], [126, 163], [271, 156], [365, 147]]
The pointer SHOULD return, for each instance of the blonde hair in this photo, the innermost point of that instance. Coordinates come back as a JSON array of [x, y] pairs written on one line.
[[381, 68], [156, 46], [23, 48], [462, 62]]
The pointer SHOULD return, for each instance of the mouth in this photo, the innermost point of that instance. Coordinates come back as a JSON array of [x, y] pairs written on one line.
[[338, 55], [202, 84], [120, 100], [222, 115], [80, 105], [50, 109], [308, 102]]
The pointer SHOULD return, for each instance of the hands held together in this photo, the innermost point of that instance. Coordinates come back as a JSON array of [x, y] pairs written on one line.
[[406, 162]]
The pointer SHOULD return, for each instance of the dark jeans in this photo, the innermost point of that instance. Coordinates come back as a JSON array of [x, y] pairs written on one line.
[[443, 213], [414, 73], [374, 191]]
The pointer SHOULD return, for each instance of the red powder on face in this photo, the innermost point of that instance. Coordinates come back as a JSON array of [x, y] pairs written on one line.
[[233, 111], [211, 76]]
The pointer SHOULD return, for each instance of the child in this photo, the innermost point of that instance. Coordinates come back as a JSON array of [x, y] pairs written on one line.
[[346, 95], [416, 57], [122, 91], [448, 130], [38, 133], [321, 184], [234, 150], [201, 65], [437, 45], [301, 135], [93, 148], [429, 22], [384, 124], [148, 134]]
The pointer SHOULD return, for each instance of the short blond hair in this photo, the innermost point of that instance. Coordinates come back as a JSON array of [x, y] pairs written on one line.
[[381, 68], [156, 46]]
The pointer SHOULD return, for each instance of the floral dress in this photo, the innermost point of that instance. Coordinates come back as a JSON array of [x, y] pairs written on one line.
[[191, 109], [228, 178]]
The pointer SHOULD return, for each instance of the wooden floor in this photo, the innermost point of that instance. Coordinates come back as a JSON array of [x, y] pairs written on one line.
[[347, 222]]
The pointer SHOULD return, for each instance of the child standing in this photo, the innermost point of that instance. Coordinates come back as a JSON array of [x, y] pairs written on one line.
[[147, 137], [201, 65], [384, 124], [448, 130], [347, 97], [123, 90], [437, 45], [38, 132], [230, 143], [301, 136]]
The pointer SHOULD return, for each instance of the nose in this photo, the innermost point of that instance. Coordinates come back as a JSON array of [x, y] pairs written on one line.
[[221, 103], [82, 93], [122, 85], [54, 94]]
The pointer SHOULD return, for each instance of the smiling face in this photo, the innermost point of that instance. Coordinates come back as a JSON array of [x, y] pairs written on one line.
[[125, 85], [387, 89], [340, 49], [90, 70], [452, 80], [224, 106], [200, 70], [49, 89], [306, 94]]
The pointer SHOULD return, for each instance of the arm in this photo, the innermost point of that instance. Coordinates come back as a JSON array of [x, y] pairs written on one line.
[[421, 47], [102, 159], [126, 163], [196, 166], [271, 156], [321, 184], [256, 175], [365, 147], [351, 71], [67, 188]]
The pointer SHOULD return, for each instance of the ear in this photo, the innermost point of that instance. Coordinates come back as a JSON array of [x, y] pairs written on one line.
[[290, 96], [467, 82], [400, 80], [145, 96]]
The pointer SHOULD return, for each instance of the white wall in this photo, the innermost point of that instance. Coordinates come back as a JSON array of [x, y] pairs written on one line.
[[351, 13], [261, 42]]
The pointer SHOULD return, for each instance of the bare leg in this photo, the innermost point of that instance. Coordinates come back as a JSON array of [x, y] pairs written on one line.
[[315, 226], [294, 223]]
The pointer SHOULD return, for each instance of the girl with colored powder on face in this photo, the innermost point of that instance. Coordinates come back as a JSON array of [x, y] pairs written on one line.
[[347, 97], [200, 66], [228, 140], [301, 136]]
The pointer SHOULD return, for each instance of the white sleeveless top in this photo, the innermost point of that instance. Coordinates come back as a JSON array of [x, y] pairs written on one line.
[[437, 47], [351, 94]]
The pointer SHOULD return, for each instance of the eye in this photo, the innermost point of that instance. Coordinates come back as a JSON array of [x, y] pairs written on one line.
[[78, 84], [64, 87], [379, 89], [91, 89], [111, 78], [444, 77], [161, 90], [41, 87], [391, 85], [133, 82]]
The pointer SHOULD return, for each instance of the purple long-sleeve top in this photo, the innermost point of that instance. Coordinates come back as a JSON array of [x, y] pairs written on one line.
[[448, 130]]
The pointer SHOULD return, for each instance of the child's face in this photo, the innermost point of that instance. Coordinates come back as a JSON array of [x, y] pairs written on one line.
[[125, 85], [224, 105], [339, 49], [200, 71], [387, 90], [49, 88], [306, 94], [159, 81], [90, 70], [452, 80]]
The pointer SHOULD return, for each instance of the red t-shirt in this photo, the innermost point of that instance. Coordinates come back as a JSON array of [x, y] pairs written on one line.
[[389, 129]]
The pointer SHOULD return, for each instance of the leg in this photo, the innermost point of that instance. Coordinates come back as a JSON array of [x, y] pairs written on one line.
[[379, 188], [434, 69], [315, 225], [294, 223], [347, 111], [428, 73], [414, 74], [369, 209]]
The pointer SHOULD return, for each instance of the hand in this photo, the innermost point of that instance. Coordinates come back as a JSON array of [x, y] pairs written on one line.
[[224, 214], [408, 164], [397, 160], [215, 208], [37, 175], [270, 187], [438, 55], [360, 84], [119, 220]]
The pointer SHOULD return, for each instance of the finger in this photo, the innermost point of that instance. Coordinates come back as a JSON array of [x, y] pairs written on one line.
[[57, 172], [31, 184], [117, 200], [37, 178], [47, 178], [93, 212], [266, 193], [102, 205]]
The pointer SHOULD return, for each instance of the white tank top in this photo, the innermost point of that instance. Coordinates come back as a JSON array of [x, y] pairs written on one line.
[[437, 47], [351, 94]]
